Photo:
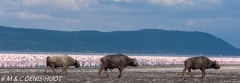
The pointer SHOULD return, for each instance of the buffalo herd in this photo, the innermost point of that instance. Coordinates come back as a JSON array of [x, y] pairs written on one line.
[[121, 61]]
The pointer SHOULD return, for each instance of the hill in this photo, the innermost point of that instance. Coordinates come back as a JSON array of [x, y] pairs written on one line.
[[142, 41]]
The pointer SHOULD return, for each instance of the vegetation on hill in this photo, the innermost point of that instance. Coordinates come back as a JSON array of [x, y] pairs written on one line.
[[142, 41]]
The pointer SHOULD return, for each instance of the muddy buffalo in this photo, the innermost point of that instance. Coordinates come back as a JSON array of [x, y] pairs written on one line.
[[119, 61], [201, 63], [63, 61]]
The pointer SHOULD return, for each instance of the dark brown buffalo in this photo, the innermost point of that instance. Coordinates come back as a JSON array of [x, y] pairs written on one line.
[[201, 63], [119, 61]]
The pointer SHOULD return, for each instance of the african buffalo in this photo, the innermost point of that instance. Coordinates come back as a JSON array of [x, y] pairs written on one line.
[[201, 63], [119, 61], [63, 61]]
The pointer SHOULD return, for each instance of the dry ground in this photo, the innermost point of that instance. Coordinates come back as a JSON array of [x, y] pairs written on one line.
[[143, 74]]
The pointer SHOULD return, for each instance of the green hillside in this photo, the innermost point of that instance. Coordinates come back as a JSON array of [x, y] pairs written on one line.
[[142, 41]]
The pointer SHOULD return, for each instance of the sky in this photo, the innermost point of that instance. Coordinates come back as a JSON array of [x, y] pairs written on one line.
[[220, 18]]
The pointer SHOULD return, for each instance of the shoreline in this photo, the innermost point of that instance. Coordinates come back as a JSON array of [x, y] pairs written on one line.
[[142, 74]]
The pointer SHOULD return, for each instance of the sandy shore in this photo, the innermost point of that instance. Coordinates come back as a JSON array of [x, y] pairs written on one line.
[[142, 74]]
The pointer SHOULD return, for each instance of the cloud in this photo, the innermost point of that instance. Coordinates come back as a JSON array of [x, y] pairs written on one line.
[[75, 5], [29, 16], [190, 22], [122, 0], [189, 5], [2, 13], [186, 2], [72, 20], [34, 2], [171, 2]]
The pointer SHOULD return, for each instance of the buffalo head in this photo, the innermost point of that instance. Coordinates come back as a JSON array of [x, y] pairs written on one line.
[[76, 64], [215, 65], [134, 63]]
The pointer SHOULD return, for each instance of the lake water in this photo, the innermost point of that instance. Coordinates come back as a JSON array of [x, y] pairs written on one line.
[[128, 54], [37, 59]]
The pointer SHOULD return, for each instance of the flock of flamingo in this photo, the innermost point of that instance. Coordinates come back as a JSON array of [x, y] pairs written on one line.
[[39, 60]]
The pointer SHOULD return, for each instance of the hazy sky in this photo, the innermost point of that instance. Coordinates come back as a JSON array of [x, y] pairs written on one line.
[[218, 17]]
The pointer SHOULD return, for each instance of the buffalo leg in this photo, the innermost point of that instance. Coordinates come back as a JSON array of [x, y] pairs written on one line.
[[203, 73], [120, 70], [53, 69], [183, 72], [100, 70], [106, 72], [65, 69], [46, 70], [190, 73]]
